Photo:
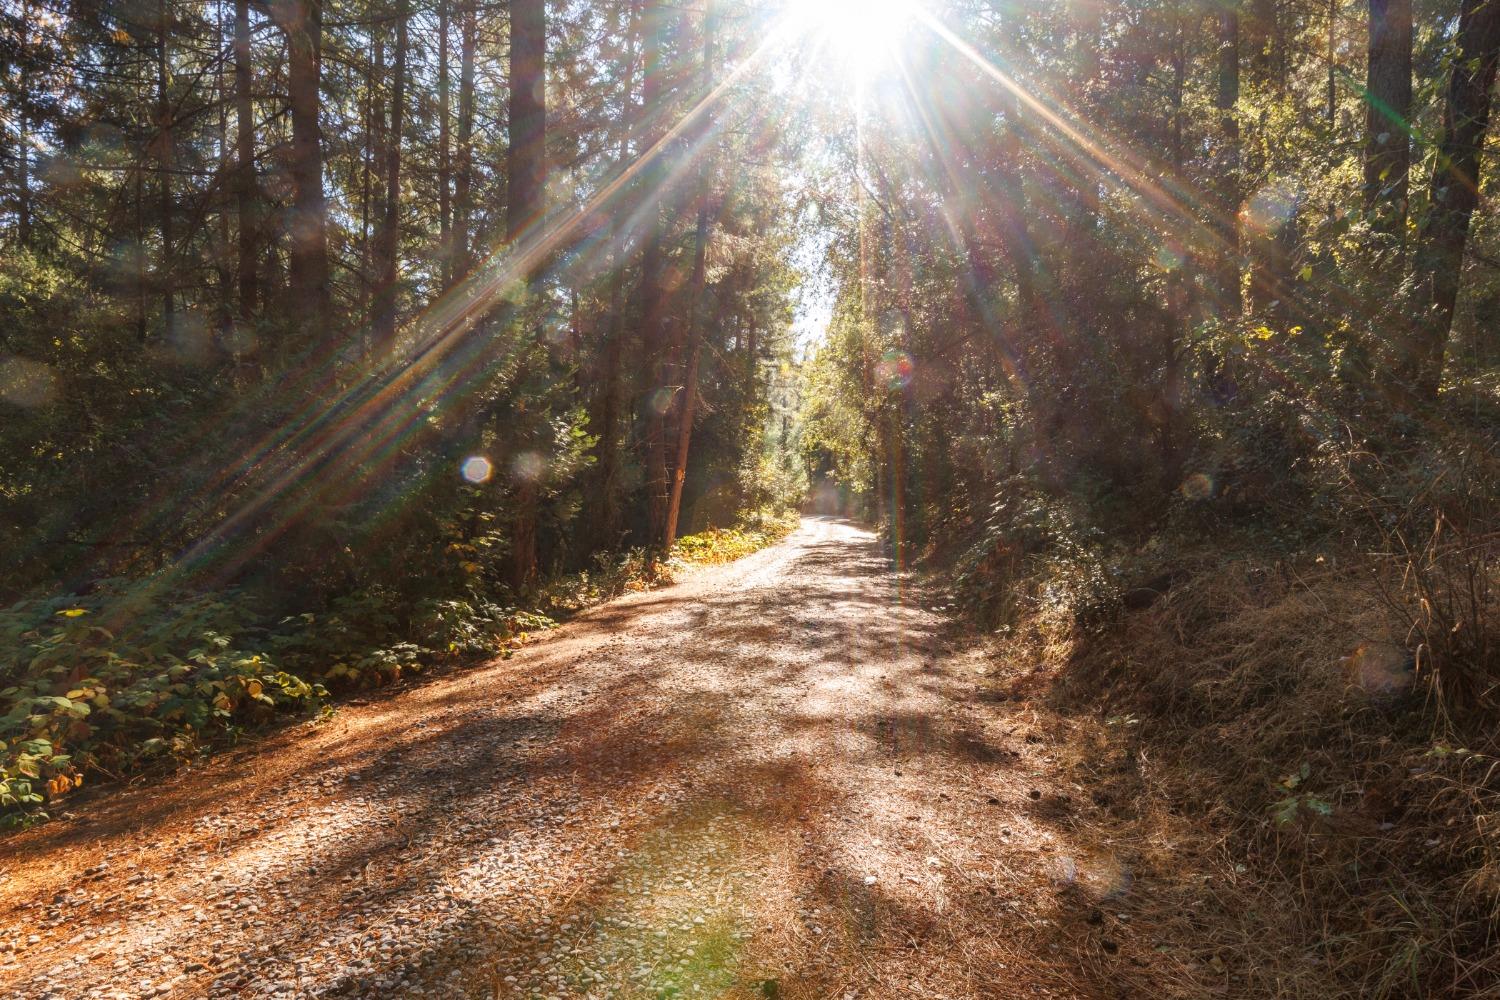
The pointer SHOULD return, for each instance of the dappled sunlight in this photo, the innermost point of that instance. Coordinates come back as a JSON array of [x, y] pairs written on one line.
[[764, 779], [777, 500]]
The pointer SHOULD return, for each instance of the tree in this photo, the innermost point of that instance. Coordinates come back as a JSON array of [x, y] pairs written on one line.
[[463, 183], [697, 286], [1387, 110], [445, 150], [527, 164], [607, 448], [165, 160], [1225, 297], [307, 232], [527, 177], [388, 236], [246, 193], [1444, 231], [653, 299]]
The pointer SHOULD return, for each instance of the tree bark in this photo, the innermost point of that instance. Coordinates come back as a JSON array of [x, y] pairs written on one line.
[[302, 22], [1387, 110], [463, 182], [526, 172], [527, 179], [608, 448], [696, 290], [653, 304], [1226, 297], [445, 152], [164, 160], [226, 170], [1444, 233], [369, 170], [245, 186], [1176, 321], [23, 181], [388, 237]]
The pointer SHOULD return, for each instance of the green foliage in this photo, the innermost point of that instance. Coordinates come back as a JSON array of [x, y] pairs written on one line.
[[838, 429], [476, 627], [120, 679], [1035, 555], [722, 545], [1297, 805], [126, 678], [92, 686]]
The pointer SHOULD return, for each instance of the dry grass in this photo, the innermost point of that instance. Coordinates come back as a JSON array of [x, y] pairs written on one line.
[[1300, 833]]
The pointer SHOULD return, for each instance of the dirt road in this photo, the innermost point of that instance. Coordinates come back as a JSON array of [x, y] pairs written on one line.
[[775, 779]]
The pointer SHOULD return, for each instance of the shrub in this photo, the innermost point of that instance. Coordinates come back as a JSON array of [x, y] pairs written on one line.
[[90, 686]]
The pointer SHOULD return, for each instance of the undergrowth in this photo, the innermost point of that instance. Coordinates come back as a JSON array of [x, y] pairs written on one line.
[[1294, 716], [123, 680]]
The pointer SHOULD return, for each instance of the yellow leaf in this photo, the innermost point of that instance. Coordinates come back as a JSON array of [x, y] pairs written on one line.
[[254, 688], [74, 612]]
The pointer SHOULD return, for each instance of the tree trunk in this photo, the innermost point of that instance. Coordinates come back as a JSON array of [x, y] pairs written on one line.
[[1444, 233], [1176, 321], [696, 290], [226, 172], [370, 168], [445, 153], [23, 182], [653, 299], [684, 432], [308, 229], [388, 237], [1226, 291], [245, 193], [141, 290], [1387, 110], [463, 183], [526, 169], [608, 448], [526, 175], [164, 162]]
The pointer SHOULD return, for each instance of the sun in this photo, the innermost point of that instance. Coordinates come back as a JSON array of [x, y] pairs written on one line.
[[861, 37]]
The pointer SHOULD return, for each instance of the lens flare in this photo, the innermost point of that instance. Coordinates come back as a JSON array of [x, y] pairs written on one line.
[[528, 466], [896, 368], [477, 469], [661, 400], [1198, 486], [26, 383]]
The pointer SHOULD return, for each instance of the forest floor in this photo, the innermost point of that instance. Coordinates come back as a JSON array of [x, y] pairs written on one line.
[[790, 776]]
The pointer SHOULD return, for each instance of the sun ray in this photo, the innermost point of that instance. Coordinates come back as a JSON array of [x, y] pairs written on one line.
[[334, 447]]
